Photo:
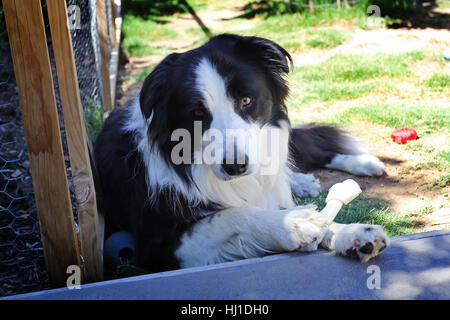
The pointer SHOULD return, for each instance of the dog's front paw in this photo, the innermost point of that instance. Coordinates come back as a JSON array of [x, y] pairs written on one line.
[[305, 185], [361, 241], [305, 228]]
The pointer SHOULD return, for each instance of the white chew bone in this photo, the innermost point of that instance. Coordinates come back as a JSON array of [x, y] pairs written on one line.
[[338, 195]]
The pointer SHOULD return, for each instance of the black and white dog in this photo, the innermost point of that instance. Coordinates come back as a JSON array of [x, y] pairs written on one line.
[[185, 211]]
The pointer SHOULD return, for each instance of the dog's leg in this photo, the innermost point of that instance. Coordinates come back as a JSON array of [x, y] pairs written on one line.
[[240, 233], [357, 164], [356, 240], [329, 147]]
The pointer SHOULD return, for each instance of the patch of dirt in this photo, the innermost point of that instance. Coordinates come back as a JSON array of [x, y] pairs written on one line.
[[407, 184]]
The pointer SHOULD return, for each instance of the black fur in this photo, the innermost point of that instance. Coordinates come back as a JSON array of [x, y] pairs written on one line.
[[315, 146], [168, 95]]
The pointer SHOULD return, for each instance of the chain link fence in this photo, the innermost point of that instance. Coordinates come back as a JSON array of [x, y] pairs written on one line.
[[22, 263]]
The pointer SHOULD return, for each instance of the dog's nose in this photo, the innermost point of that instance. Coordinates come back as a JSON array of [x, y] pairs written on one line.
[[235, 168]]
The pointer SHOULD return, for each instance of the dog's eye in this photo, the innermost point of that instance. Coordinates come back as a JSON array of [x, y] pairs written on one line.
[[199, 113], [246, 101]]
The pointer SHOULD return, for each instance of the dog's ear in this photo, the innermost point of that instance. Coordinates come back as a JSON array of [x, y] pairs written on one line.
[[154, 90], [274, 59], [271, 54]]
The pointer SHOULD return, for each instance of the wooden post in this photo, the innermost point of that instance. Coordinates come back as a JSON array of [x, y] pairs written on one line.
[[33, 74], [311, 6], [113, 23], [76, 140], [104, 53], [114, 61]]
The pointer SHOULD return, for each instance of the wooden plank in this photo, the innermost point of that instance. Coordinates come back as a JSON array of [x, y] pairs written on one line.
[[33, 74], [104, 53], [114, 61], [113, 23], [76, 140], [311, 6], [98, 193]]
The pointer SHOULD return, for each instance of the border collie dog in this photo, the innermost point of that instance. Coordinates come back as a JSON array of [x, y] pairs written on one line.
[[205, 168]]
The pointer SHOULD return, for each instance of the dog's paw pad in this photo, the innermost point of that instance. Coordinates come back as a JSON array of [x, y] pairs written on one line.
[[361, 241]]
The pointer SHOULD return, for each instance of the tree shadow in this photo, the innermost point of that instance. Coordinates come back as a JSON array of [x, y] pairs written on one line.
[[400, 13], [413, 14], [154, 10], [268, 8]]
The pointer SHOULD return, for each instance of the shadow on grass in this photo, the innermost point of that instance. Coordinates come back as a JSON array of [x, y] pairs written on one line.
[[413, 14], [400, 13], [269, 8], [154, 10]]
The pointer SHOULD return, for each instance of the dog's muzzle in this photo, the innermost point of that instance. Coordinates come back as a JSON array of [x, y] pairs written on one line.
[[235, 168]]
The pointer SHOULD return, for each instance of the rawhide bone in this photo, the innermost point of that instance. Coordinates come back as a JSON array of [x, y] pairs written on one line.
[[338, 195]]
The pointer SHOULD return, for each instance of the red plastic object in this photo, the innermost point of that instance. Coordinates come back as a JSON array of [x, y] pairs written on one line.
[[402, 135]]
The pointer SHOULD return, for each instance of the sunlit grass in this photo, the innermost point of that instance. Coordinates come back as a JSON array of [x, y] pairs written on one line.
[[326, 39], [438, 81], [348, 76], [138, 32], [358, 67], [425, 119]]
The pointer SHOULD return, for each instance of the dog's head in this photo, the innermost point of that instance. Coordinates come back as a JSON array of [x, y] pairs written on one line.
[[209, 107]]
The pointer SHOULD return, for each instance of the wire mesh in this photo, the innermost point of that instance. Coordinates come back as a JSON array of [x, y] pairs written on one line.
[[22, 266], [86, 51], [22, 263]]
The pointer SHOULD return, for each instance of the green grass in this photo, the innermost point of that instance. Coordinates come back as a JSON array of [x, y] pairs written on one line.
[[321, 15], [348, 76], [130, 79], [444, 156], [327, 91], [443, 4], [326, 39], [373, 211], [138, 48], [94, 118], [443, 181], [357, 67], [293, 31], [425, 119], [438, 81], [138, 32]]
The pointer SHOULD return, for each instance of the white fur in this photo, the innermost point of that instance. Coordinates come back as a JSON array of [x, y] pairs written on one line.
[[305, 185], [361, 164], [241, 233], [342, 237]]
